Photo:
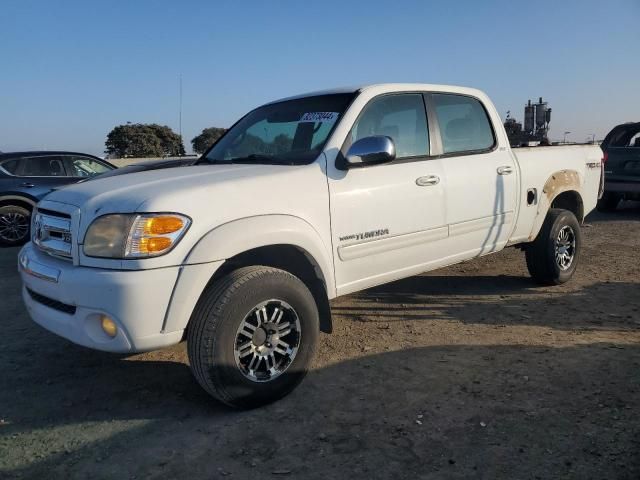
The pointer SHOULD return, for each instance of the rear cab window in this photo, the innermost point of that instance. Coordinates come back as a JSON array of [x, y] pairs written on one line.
[[625, 137], [464, 124]]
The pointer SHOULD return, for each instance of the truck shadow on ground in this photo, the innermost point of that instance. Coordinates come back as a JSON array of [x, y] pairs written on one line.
[[496, 300], [459, 411], [626, 211]]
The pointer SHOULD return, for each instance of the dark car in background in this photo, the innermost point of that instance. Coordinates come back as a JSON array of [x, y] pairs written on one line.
[[621, 149], [26, 177]]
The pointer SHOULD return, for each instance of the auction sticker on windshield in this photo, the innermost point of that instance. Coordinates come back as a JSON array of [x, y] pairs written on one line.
[[319, 117]]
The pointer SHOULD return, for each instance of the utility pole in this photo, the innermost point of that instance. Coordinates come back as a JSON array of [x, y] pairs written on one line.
[[180, 113], [565, 137]]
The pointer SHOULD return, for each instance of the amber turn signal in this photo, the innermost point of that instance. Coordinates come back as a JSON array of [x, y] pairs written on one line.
[[108, 326], [153, 244], [161, 225]]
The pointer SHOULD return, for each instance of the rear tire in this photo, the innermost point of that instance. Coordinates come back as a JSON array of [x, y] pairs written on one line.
[[553, 256], [609, 202], [15, 224], [252, 336]]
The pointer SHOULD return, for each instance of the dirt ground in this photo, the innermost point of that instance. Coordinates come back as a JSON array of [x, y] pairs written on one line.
[[467, 372]]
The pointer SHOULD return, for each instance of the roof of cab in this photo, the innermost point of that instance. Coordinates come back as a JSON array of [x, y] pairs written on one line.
[[39, 153], [387, 87]]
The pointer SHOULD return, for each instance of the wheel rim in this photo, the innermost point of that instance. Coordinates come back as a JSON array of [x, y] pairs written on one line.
[[267, 340], [565, 247], [13, 226]]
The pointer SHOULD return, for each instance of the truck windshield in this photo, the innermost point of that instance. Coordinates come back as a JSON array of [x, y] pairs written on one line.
[[291, 132]]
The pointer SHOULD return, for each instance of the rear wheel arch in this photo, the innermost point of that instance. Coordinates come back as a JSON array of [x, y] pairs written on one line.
[[570, 200], [561, 191]]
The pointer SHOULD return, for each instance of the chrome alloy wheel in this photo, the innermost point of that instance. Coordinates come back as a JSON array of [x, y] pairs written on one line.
[[565, 247], [13, 227], [267, 340]]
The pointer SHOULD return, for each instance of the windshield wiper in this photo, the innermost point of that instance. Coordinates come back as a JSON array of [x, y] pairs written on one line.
[[253, 158], [261, 158]]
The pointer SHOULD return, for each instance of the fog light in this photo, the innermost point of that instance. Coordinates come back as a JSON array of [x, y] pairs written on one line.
[[108, 326]]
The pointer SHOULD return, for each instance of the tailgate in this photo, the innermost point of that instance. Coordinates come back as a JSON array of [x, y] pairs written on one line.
[[623, 163], [622, 153]]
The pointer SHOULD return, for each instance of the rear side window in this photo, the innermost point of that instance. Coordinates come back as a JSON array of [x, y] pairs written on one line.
[[48, 166], [464, 124], [401, 117], [10, 166]]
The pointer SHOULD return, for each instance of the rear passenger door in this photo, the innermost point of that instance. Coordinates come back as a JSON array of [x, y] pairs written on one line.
[[481, 191]]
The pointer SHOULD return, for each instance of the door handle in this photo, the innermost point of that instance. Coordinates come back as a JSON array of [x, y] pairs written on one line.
[[27, 185], [427, 180], [505, 170]]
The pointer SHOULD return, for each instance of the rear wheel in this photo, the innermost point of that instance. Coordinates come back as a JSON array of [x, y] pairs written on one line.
[[609, 202], [14, 225], [252, 336], [552, 257]]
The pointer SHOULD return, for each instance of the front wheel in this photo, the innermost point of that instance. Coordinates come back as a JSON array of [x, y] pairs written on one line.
[[252, 336], [14, 225], [552, 257]]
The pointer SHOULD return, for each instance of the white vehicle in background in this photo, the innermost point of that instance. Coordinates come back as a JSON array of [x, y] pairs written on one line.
[[303, 200]]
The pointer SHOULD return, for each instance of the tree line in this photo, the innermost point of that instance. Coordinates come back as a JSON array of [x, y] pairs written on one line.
[[153, 140]]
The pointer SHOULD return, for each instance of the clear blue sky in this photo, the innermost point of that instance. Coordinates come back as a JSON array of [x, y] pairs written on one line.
[[71, 70]]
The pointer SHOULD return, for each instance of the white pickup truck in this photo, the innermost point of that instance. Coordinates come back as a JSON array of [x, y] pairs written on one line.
[[302, 200]]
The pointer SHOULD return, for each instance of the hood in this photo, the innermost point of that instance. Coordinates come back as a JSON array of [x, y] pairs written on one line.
[[140, 190], [145, 166]]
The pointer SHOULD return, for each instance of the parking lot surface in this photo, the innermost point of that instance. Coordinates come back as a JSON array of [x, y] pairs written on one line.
[[468, 372]]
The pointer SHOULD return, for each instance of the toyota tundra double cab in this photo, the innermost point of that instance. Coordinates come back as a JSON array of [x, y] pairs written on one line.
[[302, 200]]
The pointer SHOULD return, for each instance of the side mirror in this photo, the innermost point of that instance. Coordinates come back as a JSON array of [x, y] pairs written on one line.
[[374, 149]]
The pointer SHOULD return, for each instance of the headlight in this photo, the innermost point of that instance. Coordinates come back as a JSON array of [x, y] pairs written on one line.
[[134, 235]]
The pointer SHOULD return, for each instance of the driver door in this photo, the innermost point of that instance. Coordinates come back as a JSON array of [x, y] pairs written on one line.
[[388, 220]]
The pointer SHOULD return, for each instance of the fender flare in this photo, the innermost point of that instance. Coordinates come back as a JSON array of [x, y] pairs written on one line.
[[21, 198], [557, 183], [238, 236]]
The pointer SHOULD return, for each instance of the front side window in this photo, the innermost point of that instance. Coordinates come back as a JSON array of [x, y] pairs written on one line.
[[464, 124], [401, 117], [291, 132], [84, 167]]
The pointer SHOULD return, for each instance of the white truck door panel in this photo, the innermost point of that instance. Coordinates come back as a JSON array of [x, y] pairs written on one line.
[[386, 219], [482, 178], [480, 201]]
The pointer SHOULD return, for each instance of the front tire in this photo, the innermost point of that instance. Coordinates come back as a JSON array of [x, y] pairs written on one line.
[[15, 223], [252, 336], [553, 256]]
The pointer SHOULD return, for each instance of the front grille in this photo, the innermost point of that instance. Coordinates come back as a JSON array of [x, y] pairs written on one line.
[[51, 303], [52, 213], [52, 232]]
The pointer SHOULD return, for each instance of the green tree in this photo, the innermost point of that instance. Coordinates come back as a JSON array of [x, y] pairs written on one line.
[[208, 136], [143, 140], [171, 142]]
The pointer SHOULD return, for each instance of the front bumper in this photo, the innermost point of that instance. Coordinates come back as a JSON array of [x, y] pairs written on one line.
[[70, 301]]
